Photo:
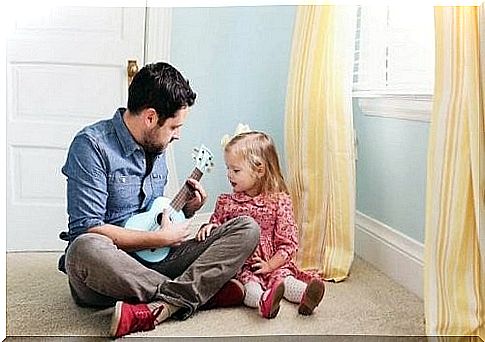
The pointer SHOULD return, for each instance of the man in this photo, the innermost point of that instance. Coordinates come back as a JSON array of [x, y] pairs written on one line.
[[116, 168]]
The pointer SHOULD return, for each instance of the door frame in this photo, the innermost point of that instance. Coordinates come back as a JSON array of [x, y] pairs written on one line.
[[158, 33]]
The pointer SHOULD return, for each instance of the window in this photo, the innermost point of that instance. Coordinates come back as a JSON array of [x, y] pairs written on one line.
[[394, 61]]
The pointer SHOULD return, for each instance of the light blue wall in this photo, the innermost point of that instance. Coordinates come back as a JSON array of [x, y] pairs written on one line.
[[237, 60], [391, 171]]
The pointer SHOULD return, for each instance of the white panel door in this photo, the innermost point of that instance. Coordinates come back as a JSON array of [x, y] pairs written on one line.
[[65, 68]]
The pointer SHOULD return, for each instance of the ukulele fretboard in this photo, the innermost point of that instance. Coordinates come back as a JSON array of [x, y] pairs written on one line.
[[185, 192]]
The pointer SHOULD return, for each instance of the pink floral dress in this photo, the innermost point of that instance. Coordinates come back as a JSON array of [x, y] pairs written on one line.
[[274, 214]]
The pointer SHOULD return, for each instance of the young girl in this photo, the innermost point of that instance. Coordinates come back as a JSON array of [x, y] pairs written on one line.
[[259, 191]]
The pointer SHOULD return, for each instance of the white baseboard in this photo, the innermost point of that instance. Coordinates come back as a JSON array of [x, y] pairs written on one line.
[[393, 253]]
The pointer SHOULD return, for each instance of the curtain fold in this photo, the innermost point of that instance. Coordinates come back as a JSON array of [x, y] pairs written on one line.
[[319, 138], [452, 269], [481, 150]]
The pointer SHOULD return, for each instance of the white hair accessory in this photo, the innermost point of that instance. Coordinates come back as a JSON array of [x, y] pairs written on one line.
[[241, 128]]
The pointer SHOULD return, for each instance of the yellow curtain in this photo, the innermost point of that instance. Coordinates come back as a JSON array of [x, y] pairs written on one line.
[[453, 200], [481, 204], [319, 138]]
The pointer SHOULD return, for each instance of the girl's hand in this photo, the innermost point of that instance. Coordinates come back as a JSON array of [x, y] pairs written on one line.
[[205, 231], [261, 266]]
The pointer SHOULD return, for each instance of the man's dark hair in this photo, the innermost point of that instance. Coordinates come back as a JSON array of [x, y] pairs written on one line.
[[162, 87]]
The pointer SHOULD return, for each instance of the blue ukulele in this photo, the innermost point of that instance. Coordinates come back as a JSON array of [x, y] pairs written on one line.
[[151, 219]]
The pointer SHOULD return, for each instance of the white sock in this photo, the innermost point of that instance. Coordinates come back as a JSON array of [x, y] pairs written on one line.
[[294, 289], [254, 291], [162, 310]]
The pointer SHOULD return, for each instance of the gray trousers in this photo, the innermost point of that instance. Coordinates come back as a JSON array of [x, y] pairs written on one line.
[[100, 274]]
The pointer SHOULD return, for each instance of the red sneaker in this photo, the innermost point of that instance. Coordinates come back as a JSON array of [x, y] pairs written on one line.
[[130, 318], [312, 297], [269, 304], [231, 294]]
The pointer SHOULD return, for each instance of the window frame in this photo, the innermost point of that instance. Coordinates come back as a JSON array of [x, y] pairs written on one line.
[[388, 103]]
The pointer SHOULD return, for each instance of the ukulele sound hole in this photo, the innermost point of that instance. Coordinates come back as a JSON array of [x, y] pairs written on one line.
[[152, 249], [159, 218]]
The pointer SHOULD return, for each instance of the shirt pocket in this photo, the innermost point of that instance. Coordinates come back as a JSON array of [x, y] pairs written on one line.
[[158, 184], [123, 191]]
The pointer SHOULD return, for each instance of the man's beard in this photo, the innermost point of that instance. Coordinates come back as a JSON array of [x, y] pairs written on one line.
[[154, 148]]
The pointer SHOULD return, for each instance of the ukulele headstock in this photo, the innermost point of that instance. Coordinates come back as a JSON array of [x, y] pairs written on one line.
[[203, 158]]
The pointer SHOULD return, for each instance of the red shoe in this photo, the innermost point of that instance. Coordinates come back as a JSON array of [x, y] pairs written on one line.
[[312, 297], [269, 304], [231, 294], [130, 318]]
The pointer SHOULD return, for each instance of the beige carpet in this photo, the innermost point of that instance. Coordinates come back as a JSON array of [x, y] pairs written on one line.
[[367, 303]]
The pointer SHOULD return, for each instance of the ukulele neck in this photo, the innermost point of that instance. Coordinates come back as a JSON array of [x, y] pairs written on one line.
[[185, 193]]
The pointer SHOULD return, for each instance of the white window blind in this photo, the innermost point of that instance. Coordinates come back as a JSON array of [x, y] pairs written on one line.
[[394, 58]]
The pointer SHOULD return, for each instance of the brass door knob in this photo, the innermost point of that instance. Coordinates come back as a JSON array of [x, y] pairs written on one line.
[[131, 69]]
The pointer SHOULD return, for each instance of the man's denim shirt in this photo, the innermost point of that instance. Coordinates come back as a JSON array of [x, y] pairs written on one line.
[[106, 176]]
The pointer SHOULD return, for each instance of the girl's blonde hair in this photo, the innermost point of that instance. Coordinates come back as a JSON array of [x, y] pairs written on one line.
[[258, 149]]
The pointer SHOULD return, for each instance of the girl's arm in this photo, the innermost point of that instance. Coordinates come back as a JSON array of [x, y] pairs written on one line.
[[285, 238], [217, 216]]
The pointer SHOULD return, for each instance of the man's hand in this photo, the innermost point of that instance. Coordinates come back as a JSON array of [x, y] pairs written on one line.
[[205, 231], [173, 233], [199, 196]]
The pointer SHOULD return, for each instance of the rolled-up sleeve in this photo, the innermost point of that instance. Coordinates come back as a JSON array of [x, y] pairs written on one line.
[[86, 185]]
